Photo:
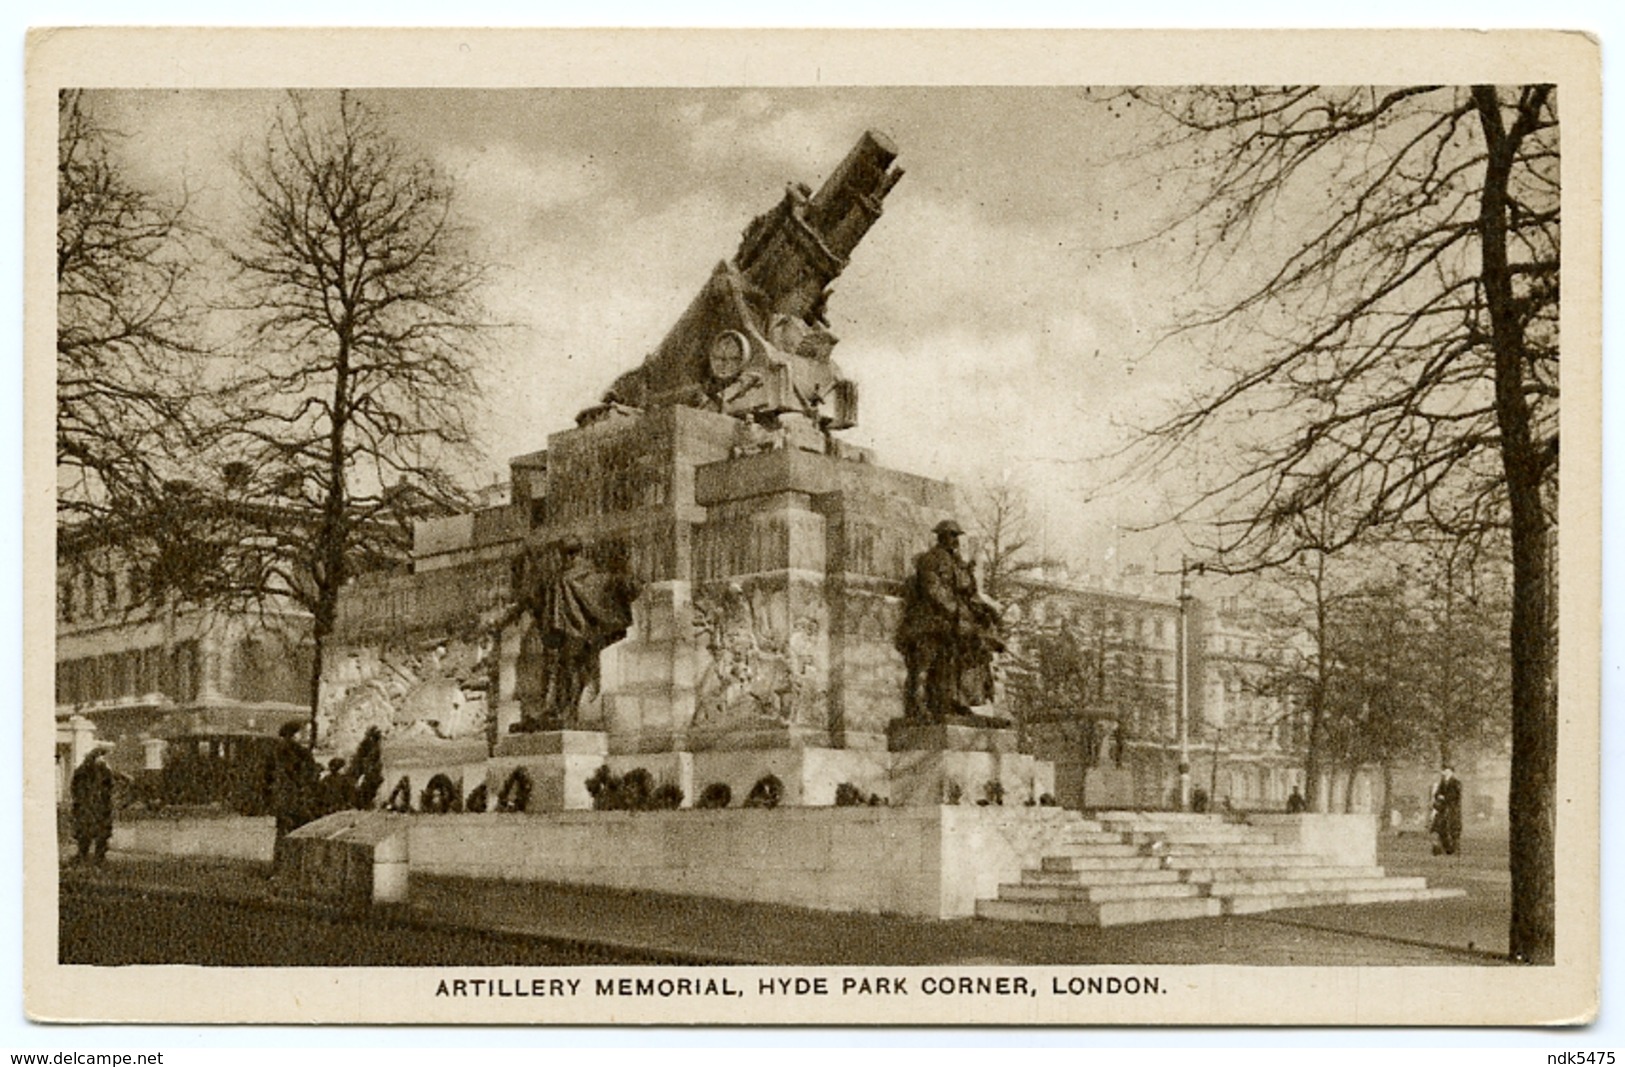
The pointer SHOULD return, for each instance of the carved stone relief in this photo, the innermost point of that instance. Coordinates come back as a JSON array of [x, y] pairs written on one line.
[[426, 690], [758, 663]]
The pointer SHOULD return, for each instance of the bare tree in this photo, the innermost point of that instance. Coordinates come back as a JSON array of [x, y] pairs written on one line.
[[1002, 522], [126, 348], [1394, 255], [351, 409]]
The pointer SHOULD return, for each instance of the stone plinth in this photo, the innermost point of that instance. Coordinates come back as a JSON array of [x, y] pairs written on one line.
[[418, 759], [904, 736], [666, 768], [554, 743], [809, 775], [954, 763], [559, 762]]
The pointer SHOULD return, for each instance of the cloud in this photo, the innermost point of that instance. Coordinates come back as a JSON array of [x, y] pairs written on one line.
[[800, 141], [511, 182]]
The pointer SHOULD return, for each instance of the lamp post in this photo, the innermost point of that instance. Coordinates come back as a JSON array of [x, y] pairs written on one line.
[[1185, 569]]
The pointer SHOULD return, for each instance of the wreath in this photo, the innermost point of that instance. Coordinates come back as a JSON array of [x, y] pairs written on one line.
[[515, 794], [476, 799], [400, 798], [766, 793], [715, 795], [440, 796]]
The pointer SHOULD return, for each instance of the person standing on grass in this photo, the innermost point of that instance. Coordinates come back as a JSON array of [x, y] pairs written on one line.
[[293, 788], [92, 788], [1447, 813]]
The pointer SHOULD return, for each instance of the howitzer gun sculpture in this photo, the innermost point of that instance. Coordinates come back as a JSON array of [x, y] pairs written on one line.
[[755, 343]]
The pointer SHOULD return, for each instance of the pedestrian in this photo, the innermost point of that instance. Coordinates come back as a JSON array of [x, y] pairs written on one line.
[[293, 788], [336, 789], [92, 788], [1447, 813], [1295, 804], [367, 770]]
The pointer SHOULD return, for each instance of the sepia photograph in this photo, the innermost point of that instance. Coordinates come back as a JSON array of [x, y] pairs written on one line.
[[713, 527]]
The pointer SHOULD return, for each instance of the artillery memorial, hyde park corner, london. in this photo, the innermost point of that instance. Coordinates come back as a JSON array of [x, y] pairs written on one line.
[[701, 601]]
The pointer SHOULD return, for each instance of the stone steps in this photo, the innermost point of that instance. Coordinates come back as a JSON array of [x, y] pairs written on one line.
[[1098, 852], [1090, 862], [1253, 905], [1215, 838], [1166, 866], [1092, 891], [1282, 857], [1096, 837], [1310, 885], [1099, 877], [1237, 848], [1266, 873]]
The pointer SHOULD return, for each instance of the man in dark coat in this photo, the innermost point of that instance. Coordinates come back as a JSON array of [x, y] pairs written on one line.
[[1447, 813], [92, 788], [336, 789], [293, 787]]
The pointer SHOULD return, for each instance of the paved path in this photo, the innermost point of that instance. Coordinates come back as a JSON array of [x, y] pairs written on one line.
[[687, 929]]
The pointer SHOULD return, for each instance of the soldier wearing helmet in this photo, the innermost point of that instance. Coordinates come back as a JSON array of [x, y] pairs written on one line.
[[947, 633]]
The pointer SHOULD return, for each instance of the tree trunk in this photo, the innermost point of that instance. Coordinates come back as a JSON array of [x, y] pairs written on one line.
[[1531, 807]]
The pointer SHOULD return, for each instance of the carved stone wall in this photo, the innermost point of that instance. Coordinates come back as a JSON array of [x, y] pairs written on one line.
[[763, 656], [410, 691]]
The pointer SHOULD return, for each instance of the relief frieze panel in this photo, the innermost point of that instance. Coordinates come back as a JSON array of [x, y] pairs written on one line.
[[763, 657]]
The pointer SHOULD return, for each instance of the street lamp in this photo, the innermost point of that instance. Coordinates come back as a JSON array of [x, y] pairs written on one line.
[[1185, 568]]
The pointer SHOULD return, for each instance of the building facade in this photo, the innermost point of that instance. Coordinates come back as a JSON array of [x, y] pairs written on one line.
[[137, 674], [1094, 676]]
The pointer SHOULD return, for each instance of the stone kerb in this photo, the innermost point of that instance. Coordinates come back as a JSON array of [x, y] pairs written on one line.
[[1348, 840], [930, 862]]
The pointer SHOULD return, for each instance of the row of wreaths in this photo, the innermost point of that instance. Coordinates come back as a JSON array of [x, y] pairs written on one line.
[[442, 796]]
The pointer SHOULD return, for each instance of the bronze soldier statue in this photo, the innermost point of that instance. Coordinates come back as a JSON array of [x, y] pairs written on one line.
[[948, 634], [578, 610]]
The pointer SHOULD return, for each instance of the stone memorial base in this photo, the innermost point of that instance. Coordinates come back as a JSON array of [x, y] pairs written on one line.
[[926, 765], [559, 762], [809, 776], [929, 862], [955, 763], [418, 759]]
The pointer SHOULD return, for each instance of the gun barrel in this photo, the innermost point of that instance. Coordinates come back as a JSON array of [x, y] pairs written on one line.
[[792, 253], [849, 202]]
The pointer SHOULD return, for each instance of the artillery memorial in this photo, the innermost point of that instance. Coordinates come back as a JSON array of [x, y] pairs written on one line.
[[769, 556]]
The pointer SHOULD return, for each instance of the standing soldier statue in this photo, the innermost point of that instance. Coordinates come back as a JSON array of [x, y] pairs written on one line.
[[577, 610], [948, 634]]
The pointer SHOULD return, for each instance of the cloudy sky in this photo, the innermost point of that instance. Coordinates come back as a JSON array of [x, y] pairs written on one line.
[[997, 320]]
